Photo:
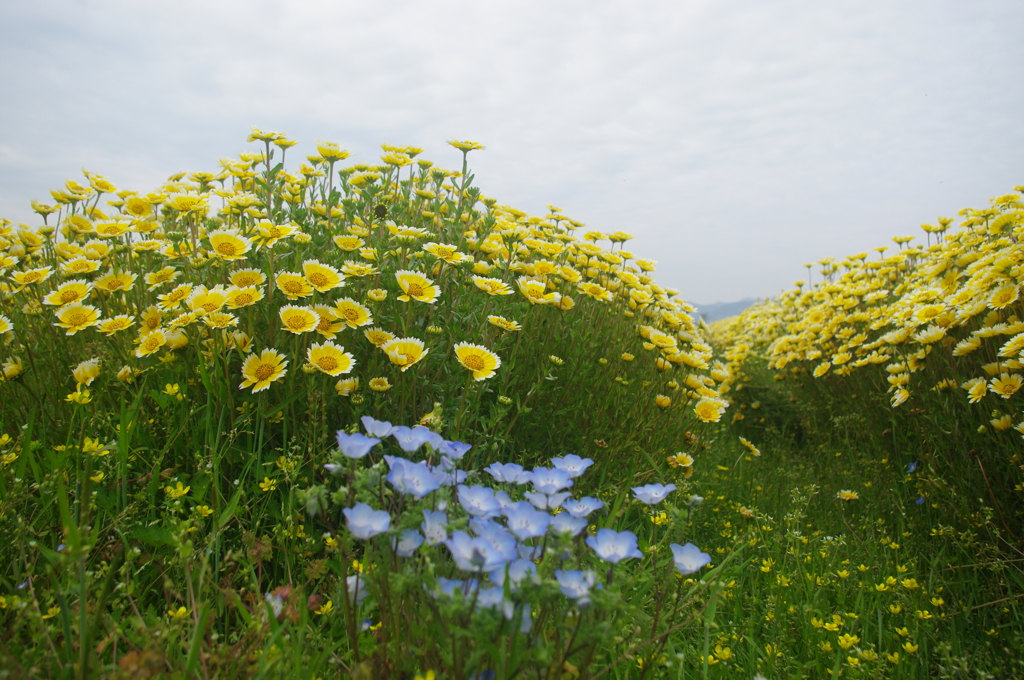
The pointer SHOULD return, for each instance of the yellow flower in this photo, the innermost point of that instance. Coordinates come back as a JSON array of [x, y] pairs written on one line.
[[177, 491], [415, 286], [352, 313], [242, 297], [51, 612], [327, 608], [482, 361], [377, 294], [405, 352], [259, 371], [534, 291], [465, 146], [595, 291], [268, 484], [180, 613], [846, 640], [293, 285], [330, 358], [247, 278], [5, 325], [169, 301], [378, 337], [909, 647], [1003, 297], [328, 324], [162, 276], [358, 269], [228, 244], [331, 152], [502, 322], [448, 253], [346, 387], [492, 286], [709, 410], [846, 495], [76, 317], [271, 233], [298, 319], [202, 510], [662, 401], [69, 292], [349, 243], [86, 372], [1006, 384], [680, 460], [150, 343], [98, 477], [205, 300], [114, 282], [380, 384], [322, 277], [31, 276]]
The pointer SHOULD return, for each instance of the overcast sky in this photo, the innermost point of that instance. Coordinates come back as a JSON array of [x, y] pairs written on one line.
[[737, 140]]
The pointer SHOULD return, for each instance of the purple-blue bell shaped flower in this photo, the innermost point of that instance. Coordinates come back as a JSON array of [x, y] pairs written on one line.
[[377, 428], [576, 585], [614, 546], [479, 501], [688, 558], [364, 522], [550, 480], [509, 473], [582, 507], [414, 479], [406, 543], [652, 494], [434, 526], [545, 502], [355, 445], [454, 450], [526, 522], [474, 554], [572, 464], [565, 523], [412, 438]]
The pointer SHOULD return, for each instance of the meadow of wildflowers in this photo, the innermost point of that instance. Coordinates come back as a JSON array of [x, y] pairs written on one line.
[[311, 419]]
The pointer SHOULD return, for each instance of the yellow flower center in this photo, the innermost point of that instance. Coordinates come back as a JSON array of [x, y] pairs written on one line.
[[415, 290], [31, 277], [226, 248], [474, 362], [317, 279], [263, 372], [68, 296], [327, 364], [295, 322], [243, 299], [293, 287], [78, 318], [351, 314]]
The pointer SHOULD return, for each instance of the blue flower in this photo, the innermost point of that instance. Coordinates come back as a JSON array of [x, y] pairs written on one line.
[[544, 501], [355, 445], [920, 500], [572, 464], [434, 526], [478, 501], [612, 546], [508, 472], [412, 438], [377, 428], [565, 523], [688, 558], [474, 554], [447, 472], [414, 479], [501, 540], [550, 480], [911, 467], [652, 494], [357, 590], [364, 522], [576, 584], [406, 543], [582, 507], [516, 571], [454, 450], [525, 522]]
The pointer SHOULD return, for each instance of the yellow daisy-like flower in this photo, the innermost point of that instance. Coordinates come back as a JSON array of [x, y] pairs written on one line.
[[594, 290], [1006, 384], [294, 285], [168, 301], [380, 384], [247, 278], [709, 410], [378, 337], [353, 313], [110, 283], [176, 339], [79, 265], [76, 290], [207, 301], [259, 371], [150, 343], [321, 276], [416, 287], [112, 229], [465, 145], [271, 233], [377, 294], [447, 253], [976, 389], [346, 387], [358, 269], [297, 319], [405, 352], [115, 324], [87, 371], [492, 286], [930, 335], [5, 325], [330, 151], [237, 298], [349, 243], [1004, 297], [663, 401], [535, 291], [502, 322], [137, 207], [151, 320], [228, 244], [31, 276], [822, 369], [328, 324], [482, 361], [847, 495], [76, 317], [268, 484], [161, 276], [330, 358], [220, 320]]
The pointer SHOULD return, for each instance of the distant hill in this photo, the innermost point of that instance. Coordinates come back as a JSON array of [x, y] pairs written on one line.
[[722, 310]]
